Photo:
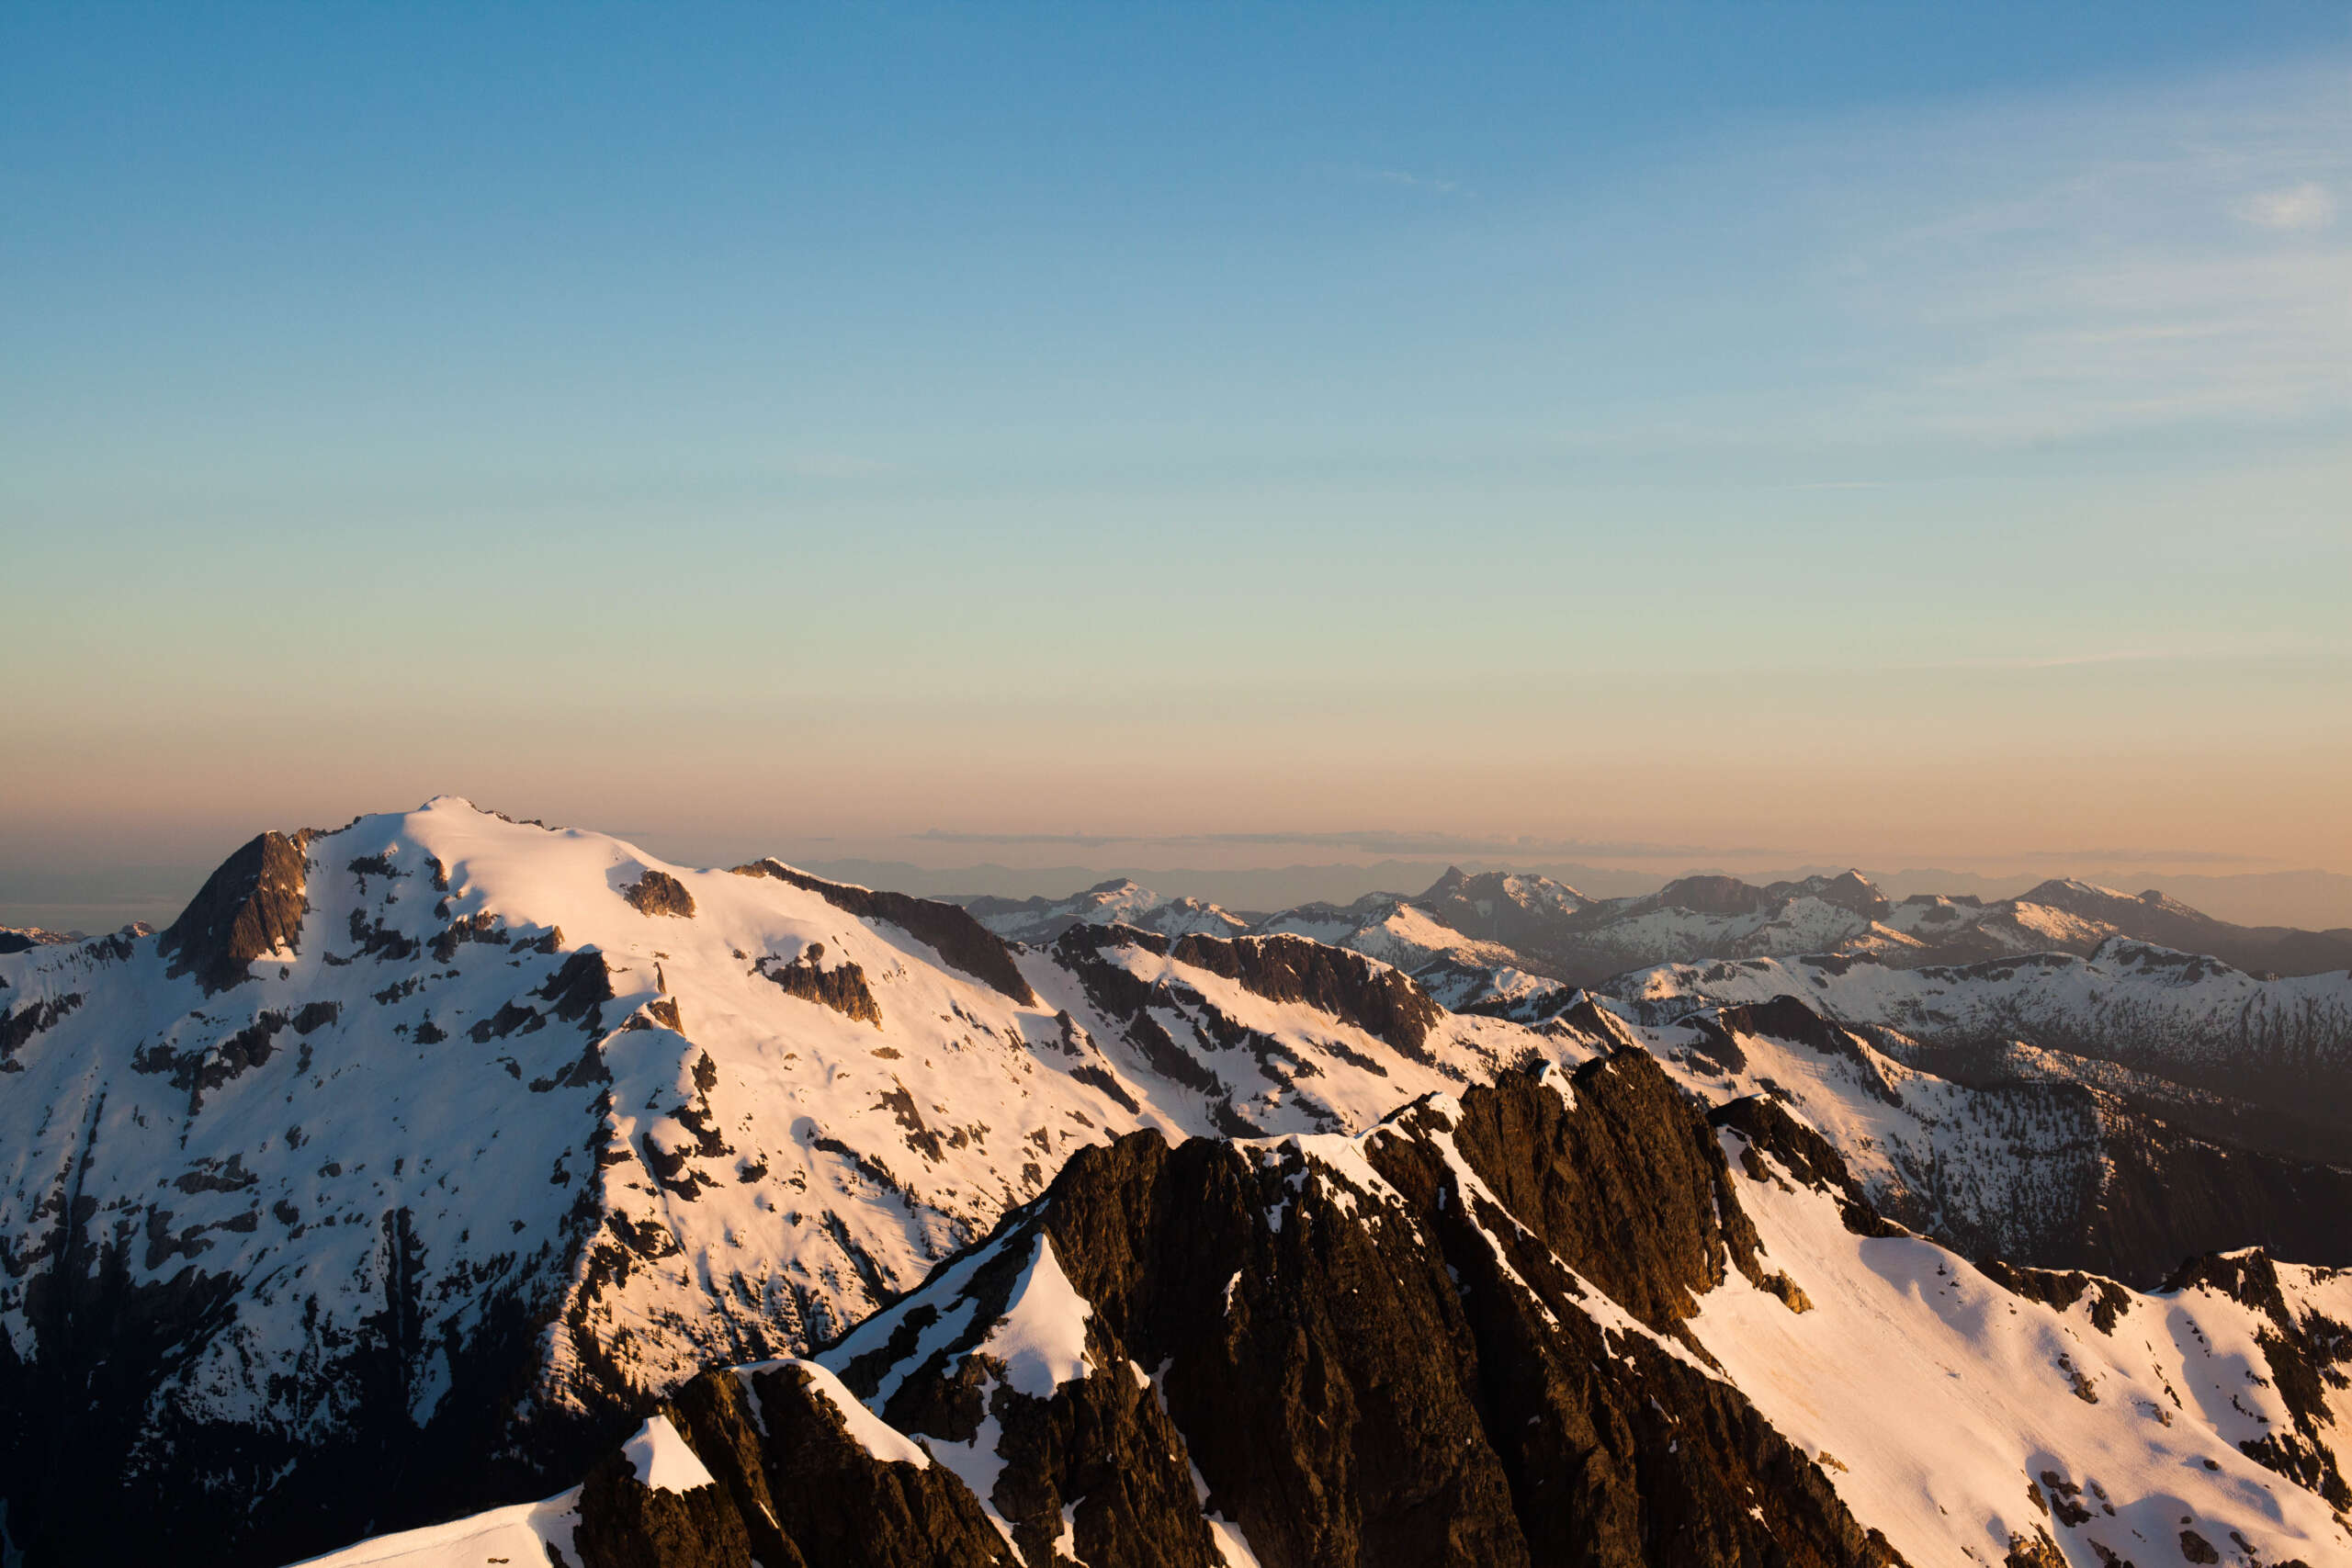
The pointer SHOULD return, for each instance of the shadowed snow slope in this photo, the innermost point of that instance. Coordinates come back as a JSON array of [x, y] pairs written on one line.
[[1451, 1340], [2281, 1046]]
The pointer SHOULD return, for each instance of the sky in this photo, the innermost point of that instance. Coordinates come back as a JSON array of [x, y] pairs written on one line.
[[1742, 435]]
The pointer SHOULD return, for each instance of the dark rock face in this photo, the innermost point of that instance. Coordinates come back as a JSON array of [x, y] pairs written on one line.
[[2059, 1291], [1381, 1002], [658, 893], [19, 1024], [1119, 994], [1388, 1369], [579, 989], [1714, 895], [1629, 1187], [2305, 1354], [108, 1340], [2169, 1195], [2035, 1550], [949, 932], [252, 905], [1182, 1032], [790, 1488], [841, 987]]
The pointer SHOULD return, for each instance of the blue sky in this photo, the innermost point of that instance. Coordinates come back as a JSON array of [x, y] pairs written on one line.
[[1225, 417]]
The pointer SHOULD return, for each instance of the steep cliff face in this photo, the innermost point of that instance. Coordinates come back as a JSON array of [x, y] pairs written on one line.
[[2047, 1169], [251, 907], [1304, 1352], [1560, 1319]]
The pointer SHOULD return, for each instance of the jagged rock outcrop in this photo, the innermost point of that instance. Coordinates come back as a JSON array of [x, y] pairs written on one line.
[[1520, 1326], [2308, 1352], [1378, 999], [251, 907], [1405, 1368], [950, 931], [658, 893], [841, 987]]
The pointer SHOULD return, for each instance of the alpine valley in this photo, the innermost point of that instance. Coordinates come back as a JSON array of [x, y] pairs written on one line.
[[486, 1194]]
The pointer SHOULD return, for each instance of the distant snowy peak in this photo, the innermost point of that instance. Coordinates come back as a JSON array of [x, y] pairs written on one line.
[[1120, 901], [1555, 933], [1521, 930], [1551, 930], [1488, 890], [17, 939]]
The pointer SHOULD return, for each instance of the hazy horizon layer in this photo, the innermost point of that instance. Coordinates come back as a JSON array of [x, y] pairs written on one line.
[[1252, 872]]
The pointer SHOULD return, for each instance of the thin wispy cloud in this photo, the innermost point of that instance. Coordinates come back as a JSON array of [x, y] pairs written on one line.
[[2306, 205], [2019, 274], [2142, 260], [1370, 841]]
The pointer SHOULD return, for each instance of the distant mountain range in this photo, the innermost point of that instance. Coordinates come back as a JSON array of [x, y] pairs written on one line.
[[2241, 1033], [429, 1165], [1553, 930], [17, 939]]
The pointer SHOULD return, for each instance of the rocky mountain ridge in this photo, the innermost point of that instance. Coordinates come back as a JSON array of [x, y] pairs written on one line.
[[1550, 930], [419, 1159], [1443, 1342], [2066, 983], [2266, 1061]]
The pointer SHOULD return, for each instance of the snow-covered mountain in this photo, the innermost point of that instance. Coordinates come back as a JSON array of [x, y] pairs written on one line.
[[1445, 1341], [1121, 901], [430, 1146], [2268, 1059], [1556, 931], [417, 1161], [1519, 925], [17, 939]]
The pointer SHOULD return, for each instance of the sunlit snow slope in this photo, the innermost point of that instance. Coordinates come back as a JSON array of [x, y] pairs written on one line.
[[444, 1140], [1435, 1342]]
